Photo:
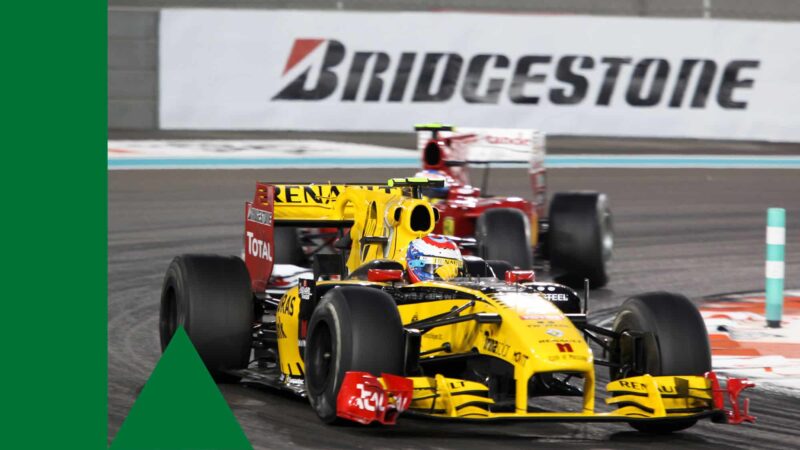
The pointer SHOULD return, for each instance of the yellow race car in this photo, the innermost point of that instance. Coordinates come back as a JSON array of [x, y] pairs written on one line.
[[398, 322]]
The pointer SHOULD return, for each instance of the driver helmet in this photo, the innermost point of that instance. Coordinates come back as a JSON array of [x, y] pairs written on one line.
[[433, 257], [435, 192]]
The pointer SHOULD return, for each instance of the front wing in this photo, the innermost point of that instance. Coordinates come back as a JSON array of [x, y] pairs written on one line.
[[641, 398]]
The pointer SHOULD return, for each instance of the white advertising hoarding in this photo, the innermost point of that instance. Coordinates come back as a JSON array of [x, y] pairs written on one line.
[[573, 75]]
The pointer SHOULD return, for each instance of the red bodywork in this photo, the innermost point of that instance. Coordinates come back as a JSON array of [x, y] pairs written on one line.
[[463, 206], [464, 203], [363, 399], [259, 236], [384, 275], [733, 387], [520, 276]]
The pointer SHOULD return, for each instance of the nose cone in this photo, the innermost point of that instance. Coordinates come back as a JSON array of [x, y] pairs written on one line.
[[549, 339]]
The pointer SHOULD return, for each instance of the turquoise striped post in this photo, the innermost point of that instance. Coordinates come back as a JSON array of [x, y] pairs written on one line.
[[776, 240]]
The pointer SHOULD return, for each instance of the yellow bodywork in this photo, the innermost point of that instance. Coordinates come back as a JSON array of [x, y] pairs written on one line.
[[380, 212], [453, 398], [525, 339], [534, 336]]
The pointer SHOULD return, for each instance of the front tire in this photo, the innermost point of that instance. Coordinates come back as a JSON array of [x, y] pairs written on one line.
[[505, 234], [354, 328], [210, 297], [580, 238], [681, 346]]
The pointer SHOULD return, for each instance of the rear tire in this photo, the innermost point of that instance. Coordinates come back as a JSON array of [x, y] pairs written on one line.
[[505, 234], [681, 344], [580, 238], [287, 247], [354, 328], [210, 297]]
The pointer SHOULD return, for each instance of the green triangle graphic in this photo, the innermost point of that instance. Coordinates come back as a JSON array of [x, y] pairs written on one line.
[[180, 407]]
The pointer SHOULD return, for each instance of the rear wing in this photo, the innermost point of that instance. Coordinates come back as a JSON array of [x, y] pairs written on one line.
[[487, 145], [381, 217], [259, 236], [316, 205], [450, 149]]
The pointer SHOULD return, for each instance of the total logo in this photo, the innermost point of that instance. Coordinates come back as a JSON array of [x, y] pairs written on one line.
[[326, 69], [258, 248]]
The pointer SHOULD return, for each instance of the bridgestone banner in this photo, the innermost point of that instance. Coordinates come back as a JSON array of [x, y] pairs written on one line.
[[574, 75]]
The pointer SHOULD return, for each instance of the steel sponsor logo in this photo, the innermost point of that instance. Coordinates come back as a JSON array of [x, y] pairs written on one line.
[[316, 67], [259, 216], [555, 297], [258, 248]]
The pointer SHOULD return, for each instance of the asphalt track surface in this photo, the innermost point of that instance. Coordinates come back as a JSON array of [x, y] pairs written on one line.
[[699, 232]]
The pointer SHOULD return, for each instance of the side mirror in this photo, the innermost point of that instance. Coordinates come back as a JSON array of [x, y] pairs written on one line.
[[519, 276]]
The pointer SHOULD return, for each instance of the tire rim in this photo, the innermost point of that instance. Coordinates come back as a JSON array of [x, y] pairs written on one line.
[[319, 359], [168, 322]]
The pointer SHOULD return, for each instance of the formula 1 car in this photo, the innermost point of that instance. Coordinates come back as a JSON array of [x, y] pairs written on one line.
[[363, 343], [574, 237]]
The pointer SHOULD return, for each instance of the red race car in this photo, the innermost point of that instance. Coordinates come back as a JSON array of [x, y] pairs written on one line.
[[575, 236]]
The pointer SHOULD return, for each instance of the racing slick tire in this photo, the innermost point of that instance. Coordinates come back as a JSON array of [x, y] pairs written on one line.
[[580, 238], [287, 247], [210, 297], [505, 234], [354, 328], [680, 347]]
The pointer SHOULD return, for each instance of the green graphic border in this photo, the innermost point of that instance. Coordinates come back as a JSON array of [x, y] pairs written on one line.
[[54, 184]]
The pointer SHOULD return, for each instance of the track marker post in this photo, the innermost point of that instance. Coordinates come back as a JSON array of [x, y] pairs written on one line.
[[775, 268]]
